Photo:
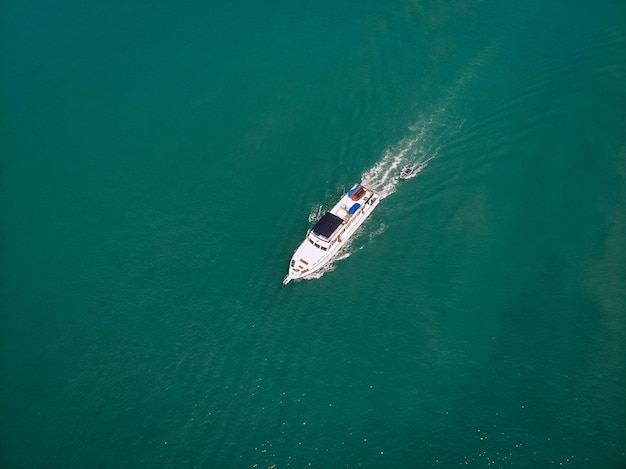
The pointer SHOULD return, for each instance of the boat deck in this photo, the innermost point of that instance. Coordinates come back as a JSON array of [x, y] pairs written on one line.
[[329, 234]]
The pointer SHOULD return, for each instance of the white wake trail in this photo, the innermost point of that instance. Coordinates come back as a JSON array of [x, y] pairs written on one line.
[[415, 150], [429, 134]]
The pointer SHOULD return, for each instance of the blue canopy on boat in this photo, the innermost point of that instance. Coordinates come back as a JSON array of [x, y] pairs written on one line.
[[354, 208]]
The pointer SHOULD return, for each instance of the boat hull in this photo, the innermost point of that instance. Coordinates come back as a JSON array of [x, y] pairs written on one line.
[[331, 233]]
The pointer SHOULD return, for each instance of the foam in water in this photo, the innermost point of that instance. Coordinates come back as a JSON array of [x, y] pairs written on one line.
[[416, 150], [429, 135], [316, 213]]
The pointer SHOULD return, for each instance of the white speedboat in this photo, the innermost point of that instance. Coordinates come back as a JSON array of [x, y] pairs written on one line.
[[331, 232], [406, 172]]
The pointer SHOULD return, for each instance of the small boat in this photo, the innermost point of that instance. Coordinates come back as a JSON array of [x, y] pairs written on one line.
[[406, 172], [330, 233]]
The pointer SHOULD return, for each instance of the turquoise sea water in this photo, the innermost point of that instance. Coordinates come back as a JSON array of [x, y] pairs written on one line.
[[160, 163]]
